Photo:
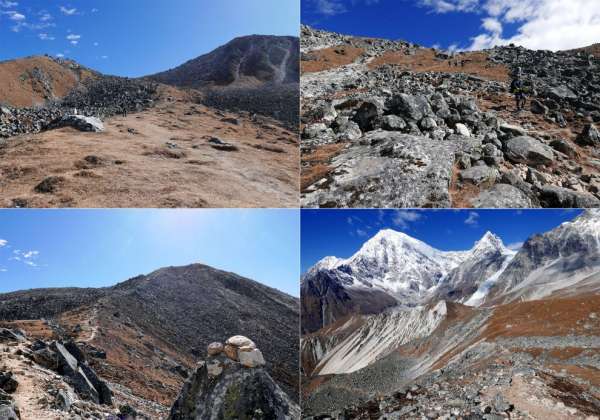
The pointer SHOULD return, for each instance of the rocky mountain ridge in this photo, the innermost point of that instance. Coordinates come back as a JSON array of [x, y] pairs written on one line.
[[392, 124], [143, 336], [412, 273]]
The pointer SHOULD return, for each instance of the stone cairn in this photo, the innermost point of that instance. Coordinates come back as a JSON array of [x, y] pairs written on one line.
[[239, 349]]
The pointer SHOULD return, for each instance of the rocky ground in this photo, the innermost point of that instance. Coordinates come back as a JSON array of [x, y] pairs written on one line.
[[144, 338], [175, 154], [119, 142], [391, 124], [531, 360]]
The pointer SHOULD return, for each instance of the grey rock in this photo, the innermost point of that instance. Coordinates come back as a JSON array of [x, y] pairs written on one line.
[[391, 169], [538, 108], [414, 107], [524, 149], [479, 174], [349, 131], [393, 123], [236, 391], [79, 122], [590, 136], [558, 197], [502, 196]]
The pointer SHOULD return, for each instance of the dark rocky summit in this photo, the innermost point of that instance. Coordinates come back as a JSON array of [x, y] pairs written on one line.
[[256, 73]]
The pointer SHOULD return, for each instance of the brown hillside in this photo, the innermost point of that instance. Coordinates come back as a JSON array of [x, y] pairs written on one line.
[[33, 80]]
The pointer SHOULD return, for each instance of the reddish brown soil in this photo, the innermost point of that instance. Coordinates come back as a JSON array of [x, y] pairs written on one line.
[[317, 163], [18, 89], [33, 328], [475, 63], [330, 58], [130, 164], [552, 317]]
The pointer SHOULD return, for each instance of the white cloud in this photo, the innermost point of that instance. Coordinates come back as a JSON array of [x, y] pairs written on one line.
[[3, 243], [73, 39], [541, 24], [94, 10], [60, 55], [96, 44], [403, 218], [45, 16], [104, 57], [472, 219], [26, 257], [446, 6], [8, 4], [46, 37], [68, 12], [336, 7], [15, 16]]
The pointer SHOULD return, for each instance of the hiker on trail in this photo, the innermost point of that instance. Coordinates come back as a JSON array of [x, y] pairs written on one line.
[[518, 89]]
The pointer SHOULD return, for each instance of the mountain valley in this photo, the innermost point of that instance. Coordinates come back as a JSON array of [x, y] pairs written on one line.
[[487, 332]]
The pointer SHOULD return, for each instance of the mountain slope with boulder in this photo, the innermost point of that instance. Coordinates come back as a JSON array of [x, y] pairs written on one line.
[[143, 337], [112, 141], [392, 124], [497, 334]]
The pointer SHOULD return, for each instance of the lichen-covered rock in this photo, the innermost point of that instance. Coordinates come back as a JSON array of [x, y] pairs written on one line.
[[250, 357], [215, 348], [236, 393], [240, 341]]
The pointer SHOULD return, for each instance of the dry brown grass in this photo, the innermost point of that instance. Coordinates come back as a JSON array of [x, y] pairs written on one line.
[[318, 163], [330, 58], [17, 89], [550, 317], [135, 168], [476, 63]]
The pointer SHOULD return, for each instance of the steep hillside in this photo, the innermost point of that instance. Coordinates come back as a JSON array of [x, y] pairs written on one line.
[[248, 61], [531, 360], [145, 334], [392, 124], [500, 333], [256, 73], [34, 80]]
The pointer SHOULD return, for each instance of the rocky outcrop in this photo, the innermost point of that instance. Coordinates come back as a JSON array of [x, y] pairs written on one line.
[[461, 132], [224, 386], [98, 98]]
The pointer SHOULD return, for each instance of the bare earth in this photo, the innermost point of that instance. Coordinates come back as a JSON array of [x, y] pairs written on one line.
[[131, 164]]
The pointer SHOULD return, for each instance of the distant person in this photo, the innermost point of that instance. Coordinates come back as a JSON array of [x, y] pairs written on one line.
[[517, 88]]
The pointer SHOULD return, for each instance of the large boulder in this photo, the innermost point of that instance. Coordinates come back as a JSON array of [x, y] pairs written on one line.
[[558, 197], [413, 107], [527, 150], [80, 122], [590, 136], [478, 175], [502, 196], [231, 390]]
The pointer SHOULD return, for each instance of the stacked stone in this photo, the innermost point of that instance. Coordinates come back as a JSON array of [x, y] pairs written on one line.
[[239, 349]]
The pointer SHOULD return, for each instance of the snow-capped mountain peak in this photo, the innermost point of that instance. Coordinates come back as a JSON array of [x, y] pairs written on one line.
[[490, 243]]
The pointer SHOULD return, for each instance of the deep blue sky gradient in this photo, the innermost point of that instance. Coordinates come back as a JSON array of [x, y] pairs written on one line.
[[141, 37], [342, 233], [93, 248], [400, 20]]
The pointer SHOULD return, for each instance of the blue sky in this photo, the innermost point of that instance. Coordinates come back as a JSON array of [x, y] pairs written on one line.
[[135, 37], [463, 24], [342, 233], [93, 248]]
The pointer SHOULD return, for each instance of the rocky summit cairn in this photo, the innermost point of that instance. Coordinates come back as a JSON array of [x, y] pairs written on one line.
[[232, 384]]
